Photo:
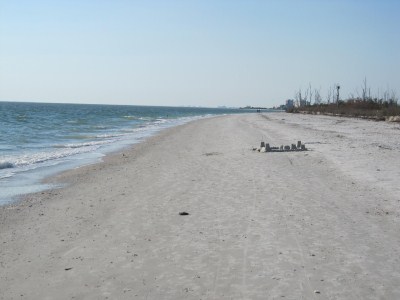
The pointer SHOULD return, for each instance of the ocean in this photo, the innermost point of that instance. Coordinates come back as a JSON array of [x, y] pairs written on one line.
[[38, 140]]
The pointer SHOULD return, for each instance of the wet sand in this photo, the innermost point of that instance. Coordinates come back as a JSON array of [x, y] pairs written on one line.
[[320, 224]]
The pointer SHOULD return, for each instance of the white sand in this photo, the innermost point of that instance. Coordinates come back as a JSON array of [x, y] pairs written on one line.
[[321, 224]]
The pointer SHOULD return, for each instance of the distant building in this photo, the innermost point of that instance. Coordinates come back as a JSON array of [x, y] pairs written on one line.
[[289, 104]]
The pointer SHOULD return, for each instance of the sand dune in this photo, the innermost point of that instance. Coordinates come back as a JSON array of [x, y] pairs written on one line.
[[321, 224]]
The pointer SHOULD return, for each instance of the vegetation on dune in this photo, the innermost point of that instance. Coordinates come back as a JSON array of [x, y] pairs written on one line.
[[364, 105]]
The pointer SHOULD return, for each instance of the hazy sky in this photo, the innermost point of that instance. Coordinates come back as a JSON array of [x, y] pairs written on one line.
[[201, 53]]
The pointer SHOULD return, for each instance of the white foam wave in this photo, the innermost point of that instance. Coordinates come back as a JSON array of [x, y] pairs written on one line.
[[128, 117], [29, 161], [107, 136], [81, 145]]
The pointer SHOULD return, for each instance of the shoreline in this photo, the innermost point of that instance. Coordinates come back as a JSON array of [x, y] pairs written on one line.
[[322, 222], [64, 178], [35, 180]]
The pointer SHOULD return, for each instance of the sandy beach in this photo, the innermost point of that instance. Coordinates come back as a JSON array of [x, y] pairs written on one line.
[[320, 224]]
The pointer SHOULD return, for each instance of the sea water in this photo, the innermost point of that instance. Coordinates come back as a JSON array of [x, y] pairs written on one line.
[[38, 140]]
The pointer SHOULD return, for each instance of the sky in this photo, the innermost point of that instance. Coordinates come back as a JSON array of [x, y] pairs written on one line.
[[195, 53]]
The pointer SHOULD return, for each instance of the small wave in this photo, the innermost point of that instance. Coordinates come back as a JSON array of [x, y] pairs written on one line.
[[6, 165], [161, 121], [78, 137], [107, 136], [5, 176], [130, 117], [138, 118], [80, 145], [77, 121], [100, 127], [41, 157]]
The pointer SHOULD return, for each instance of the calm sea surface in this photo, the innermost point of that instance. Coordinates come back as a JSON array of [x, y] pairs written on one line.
[[38, 140]]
